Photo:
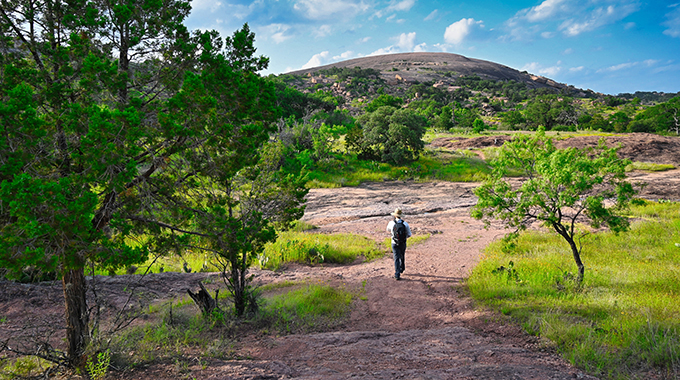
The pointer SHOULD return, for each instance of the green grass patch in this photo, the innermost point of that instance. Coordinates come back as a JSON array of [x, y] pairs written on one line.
[[24, 367], [649, 166], [623, 321], [312, 307], [312, 248], [176, 328], [432, 165]]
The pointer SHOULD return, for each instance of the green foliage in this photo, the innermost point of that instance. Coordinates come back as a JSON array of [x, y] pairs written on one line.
[[309, 248], [98, 366], [313, 307], [479, 126], [388, 134], [384, 100], [561, 187], [24, 367], [430, 166], [664, 117], [622, 322], [513, 119], [549, 111], [649, 166]]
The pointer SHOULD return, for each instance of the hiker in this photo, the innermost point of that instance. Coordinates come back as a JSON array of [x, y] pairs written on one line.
[[400, 231]]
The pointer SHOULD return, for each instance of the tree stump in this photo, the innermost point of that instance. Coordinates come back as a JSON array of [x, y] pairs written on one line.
[[206, 303]]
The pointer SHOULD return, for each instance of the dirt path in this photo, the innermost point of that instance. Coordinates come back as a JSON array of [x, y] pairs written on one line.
[[419, 328], [422, 327]]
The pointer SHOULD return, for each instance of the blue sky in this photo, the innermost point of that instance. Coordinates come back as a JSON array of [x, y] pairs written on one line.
[[608, 46]]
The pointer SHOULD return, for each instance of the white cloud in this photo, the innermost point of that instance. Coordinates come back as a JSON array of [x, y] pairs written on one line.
[[537, 68], [672, 21], [407, 41], [317, 60], [576, 69], [330, 9], [396, 6], [545, 10], [202, 5], [276, 32], [568, 51], [459, 30], [621, 66], [432, 15], [323, 31], [571, 17], [547, 35], [365, 39], [651, 62], [420, 47], [344, 56], [597, 18], [629, 25]]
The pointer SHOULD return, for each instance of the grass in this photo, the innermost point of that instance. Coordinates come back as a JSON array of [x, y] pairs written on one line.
[[178, 329], [431, 165], [309, 248], [624, 321], [649, 166]]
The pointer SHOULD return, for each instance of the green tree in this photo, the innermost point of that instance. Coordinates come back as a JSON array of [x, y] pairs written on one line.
[[388, 134], [115, 121], [561, 188], [549, 111], [384, 100], [514, 119]]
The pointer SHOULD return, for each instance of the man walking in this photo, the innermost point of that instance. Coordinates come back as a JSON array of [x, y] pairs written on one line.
[[400, 231]]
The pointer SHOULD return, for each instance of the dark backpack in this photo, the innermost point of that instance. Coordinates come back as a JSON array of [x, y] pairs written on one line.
[[399, 233]]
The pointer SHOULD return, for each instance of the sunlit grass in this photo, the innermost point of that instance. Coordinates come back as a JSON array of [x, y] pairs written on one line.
[[626, 316], [649, 166], [431, 166], [317, 248]]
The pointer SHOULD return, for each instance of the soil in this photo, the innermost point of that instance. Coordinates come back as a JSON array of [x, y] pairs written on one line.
[[422, 327]]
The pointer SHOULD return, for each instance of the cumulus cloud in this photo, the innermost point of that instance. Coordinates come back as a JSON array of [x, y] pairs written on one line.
[[330, 9], [317, 60], [344, 56], [405, 42], [576, 69], [459, 30], [672, 22]]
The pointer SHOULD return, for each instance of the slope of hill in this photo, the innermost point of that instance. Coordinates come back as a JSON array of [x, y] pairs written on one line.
[[436, 67]]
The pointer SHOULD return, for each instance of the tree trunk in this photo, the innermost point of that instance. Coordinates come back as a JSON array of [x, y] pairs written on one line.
[[204, 300], [77, 334], [577, 259]]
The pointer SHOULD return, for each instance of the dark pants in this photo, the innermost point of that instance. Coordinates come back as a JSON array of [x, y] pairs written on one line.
[[398, 252]]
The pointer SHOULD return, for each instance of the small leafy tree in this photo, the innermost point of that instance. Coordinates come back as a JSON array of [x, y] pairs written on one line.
[[561, 187], [388, 134]]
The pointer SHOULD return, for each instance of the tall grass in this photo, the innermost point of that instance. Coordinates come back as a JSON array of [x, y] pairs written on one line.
[[625, 319], [431, 165], [310, 248]]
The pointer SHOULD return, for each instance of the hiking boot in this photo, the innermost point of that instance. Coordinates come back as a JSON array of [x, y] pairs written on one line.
[[397, 278]]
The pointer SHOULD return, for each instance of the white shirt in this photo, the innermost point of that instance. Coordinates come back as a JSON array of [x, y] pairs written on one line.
[[390, 227]]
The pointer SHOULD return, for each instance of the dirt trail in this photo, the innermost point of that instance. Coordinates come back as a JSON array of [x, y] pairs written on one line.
[[422, 327]]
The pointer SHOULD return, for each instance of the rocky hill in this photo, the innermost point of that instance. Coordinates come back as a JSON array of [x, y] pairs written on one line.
[[441, 68]]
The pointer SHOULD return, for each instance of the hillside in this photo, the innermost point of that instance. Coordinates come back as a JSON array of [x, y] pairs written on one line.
[[436, 67]]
